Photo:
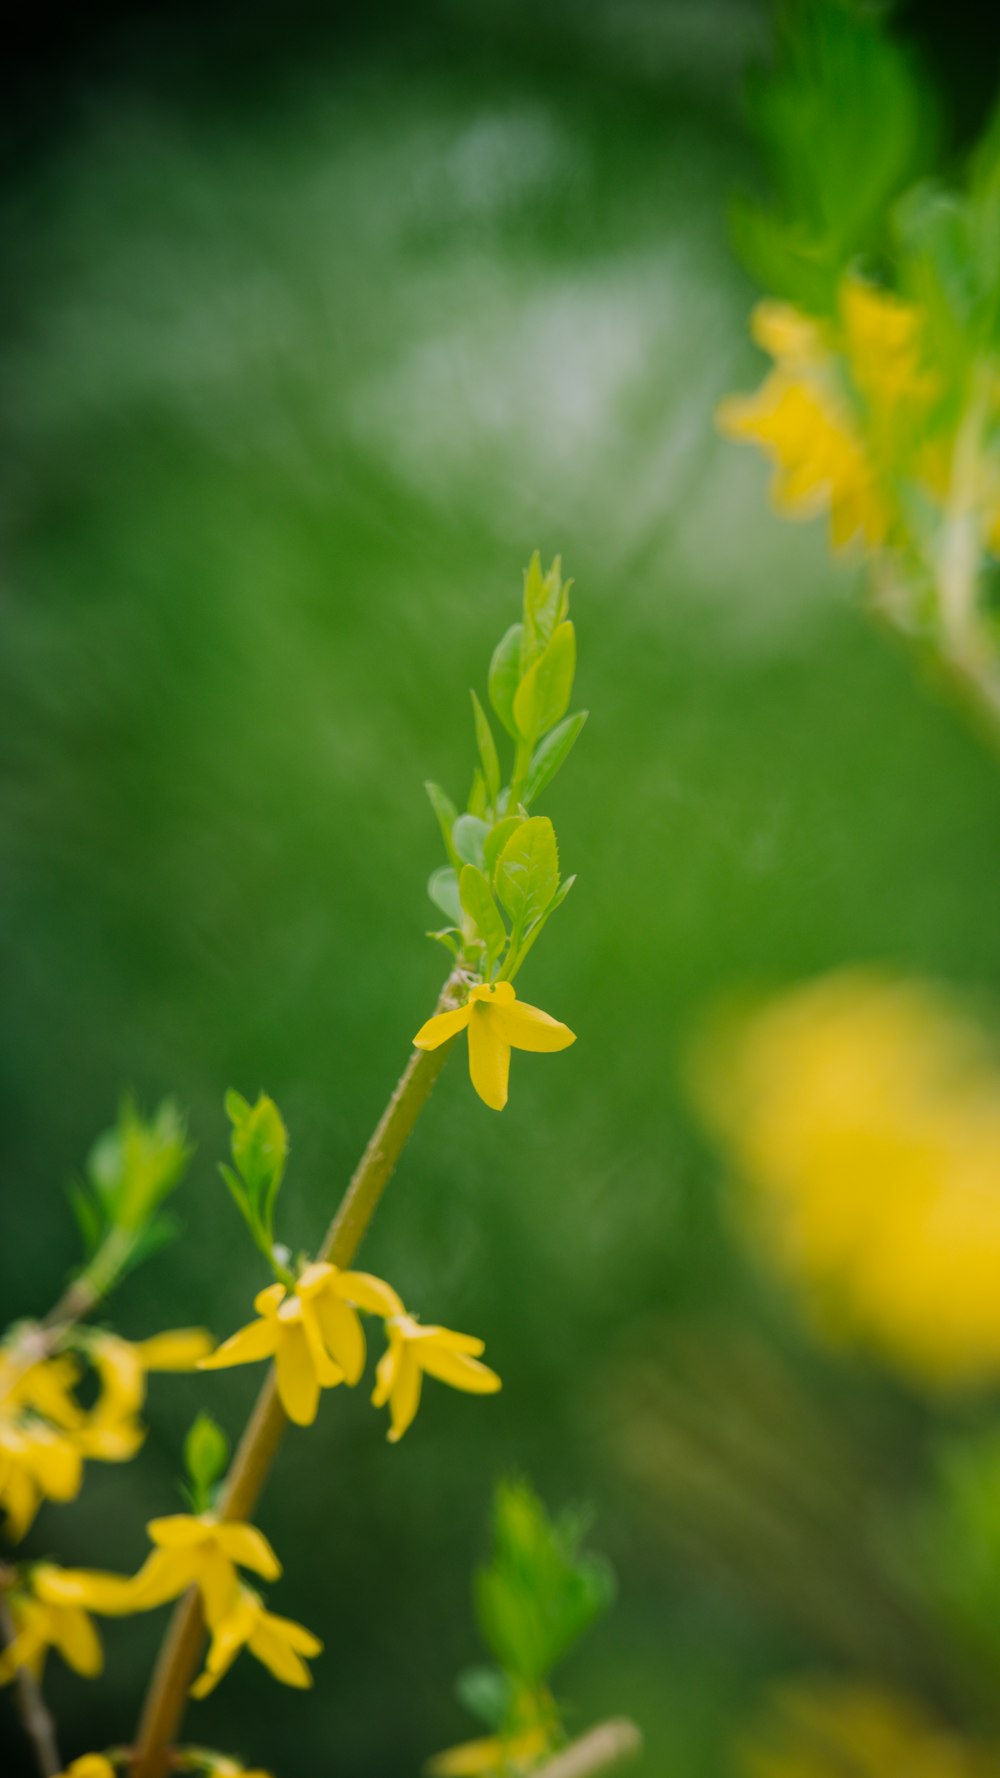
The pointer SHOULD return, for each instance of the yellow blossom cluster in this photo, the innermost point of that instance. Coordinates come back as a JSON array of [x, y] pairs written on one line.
[[46, 1435], [864, 1113], [51, 1606], [842, 410], [315, 1336]]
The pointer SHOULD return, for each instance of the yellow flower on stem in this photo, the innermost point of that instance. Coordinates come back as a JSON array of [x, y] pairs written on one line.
[[112, 1432], [54, 1614], [277, 1642], [200, 1552], [314, 1334], [90, 1765], [497, 1022], [490, 1754], [414, 1350], [36, 1463]]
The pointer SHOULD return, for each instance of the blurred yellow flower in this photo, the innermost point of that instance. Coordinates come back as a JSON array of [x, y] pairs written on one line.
[[112, 1433], [865, 1114], [835, 1729], [90, 1765], [493, 1754], [314, 1335], [277, 1642], [51, 1611], [497, 1022], [199, 1551], [835, 415], [414, 1350], [36, 1463]]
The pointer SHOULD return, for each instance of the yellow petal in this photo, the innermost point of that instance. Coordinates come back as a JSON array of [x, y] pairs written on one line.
[[269, 1300], [298, 1385], [328, 1372], [342, 1334], [257, 1340], [249, 1547], [405, 1398], [315, 1278], [90, 1765], [54, 1462], [164, 1575], [178, 1531], [366, 1291], [459, 1370], [230, 1635], [528, 1028], [489, 1058], [77, 1640], [386, 1371], [181, 1349], [442, 1026], [272, 1648]]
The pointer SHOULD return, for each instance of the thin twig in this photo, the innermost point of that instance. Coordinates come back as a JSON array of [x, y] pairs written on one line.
[[32, 1708], [606, 1745], [181, 1649]]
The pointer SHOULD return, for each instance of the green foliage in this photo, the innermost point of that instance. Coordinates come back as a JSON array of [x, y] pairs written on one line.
[[956, 1545], [499, 857], [130, 1171], [206, 1455], [479, 904], [539, 1592], [846, 122], [259, 1149], [551, 755]]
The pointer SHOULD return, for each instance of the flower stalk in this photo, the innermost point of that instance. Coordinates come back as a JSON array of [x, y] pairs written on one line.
[[182, 1646]]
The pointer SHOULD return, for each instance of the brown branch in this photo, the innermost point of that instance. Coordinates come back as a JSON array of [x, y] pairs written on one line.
[[606, 1745], [32, 1708]]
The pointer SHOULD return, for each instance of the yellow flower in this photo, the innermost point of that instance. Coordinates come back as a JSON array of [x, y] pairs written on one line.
[[825, 1730], [497, 1022], [489, 1755], [90, 1765], [414, 1350], [314, 1335], [199, 1551], [864, 1112], [112, 1432], [277, 1642], [41, 1386], [36, 1463], [837, 414], [54, 1614]]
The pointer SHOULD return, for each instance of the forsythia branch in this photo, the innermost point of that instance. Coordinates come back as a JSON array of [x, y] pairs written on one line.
[[181, 1649]]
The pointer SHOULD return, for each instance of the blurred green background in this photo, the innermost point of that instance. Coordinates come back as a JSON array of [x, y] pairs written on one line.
[[312, 332]]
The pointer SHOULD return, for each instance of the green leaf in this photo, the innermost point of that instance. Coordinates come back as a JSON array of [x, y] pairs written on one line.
[[527, 873], [206, 1453], [551, 754], [496, 840], [514, 963], [442, 887], [478, 902], [504, 675], [469, 835], [449, 937], [487, 749], [87, 1214], [544, 692], [445, 811], [478, 802], [259, 1145], [546, 602], [133, 1167], [539, 1592], [486, 1693]]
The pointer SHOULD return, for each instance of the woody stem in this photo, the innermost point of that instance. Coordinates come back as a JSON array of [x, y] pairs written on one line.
[[181, 1648]]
